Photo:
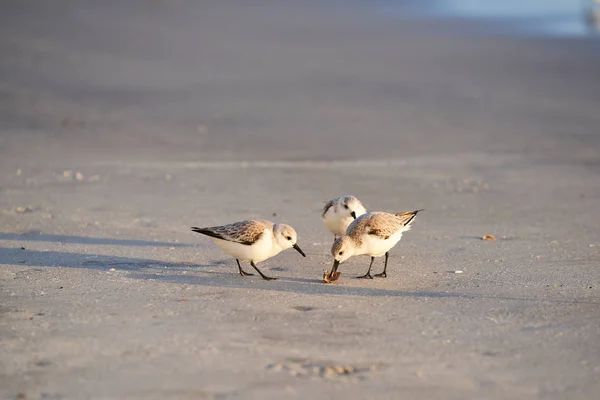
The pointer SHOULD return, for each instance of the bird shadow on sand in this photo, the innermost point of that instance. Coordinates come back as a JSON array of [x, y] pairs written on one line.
[[318, 287], [171, 272], [36, 236], [17, 256], [179, 273], [288, 285]]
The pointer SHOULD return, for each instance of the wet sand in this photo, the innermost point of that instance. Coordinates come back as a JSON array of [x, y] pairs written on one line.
[[123, 125]]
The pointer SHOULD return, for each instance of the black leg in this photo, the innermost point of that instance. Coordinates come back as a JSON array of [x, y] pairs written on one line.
[[368, 274], [383, 274], [266, 278], [242, 272]]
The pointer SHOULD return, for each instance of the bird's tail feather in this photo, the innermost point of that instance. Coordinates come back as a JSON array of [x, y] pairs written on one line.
[[408, 216], [207, 232]]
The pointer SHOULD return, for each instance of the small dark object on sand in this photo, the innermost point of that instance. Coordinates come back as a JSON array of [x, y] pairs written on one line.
[[328, 277]]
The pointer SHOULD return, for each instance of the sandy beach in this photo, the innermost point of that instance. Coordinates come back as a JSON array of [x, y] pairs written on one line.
[[122, 124]]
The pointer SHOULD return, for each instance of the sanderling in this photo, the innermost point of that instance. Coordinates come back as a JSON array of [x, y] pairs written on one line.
[[340, 212], [373, 234], [252, 240]]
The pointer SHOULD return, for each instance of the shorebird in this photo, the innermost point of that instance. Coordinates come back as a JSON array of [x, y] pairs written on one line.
[[253, 241], [373, 234], [338, 213]]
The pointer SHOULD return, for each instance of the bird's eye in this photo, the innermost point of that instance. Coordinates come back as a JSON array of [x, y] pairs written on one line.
[[340, 253], [346, 206], [289, 238]]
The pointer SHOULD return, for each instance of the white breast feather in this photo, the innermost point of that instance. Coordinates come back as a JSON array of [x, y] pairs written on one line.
[[262, 249]]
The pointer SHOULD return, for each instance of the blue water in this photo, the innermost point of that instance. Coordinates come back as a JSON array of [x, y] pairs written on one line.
[[537, 17]]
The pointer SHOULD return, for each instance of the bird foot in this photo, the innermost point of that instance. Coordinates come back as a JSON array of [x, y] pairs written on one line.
[[365, 276], [381, 275]]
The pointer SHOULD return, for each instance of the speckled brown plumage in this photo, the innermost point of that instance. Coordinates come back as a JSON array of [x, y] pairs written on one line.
[[244, 232], [380, 224]]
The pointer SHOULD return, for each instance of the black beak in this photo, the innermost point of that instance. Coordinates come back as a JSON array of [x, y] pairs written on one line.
[[336, 263], [299, 250], [353, 214]]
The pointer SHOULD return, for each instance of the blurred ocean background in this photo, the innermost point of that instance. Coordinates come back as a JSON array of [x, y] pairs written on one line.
[[290, 80], [529, 17]]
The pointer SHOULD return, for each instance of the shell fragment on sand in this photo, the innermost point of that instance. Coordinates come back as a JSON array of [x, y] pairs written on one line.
[[328, 277]]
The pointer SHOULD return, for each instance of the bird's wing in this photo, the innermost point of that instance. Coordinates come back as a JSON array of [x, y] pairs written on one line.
[[329, 204], [381, 224], [243, 232]]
